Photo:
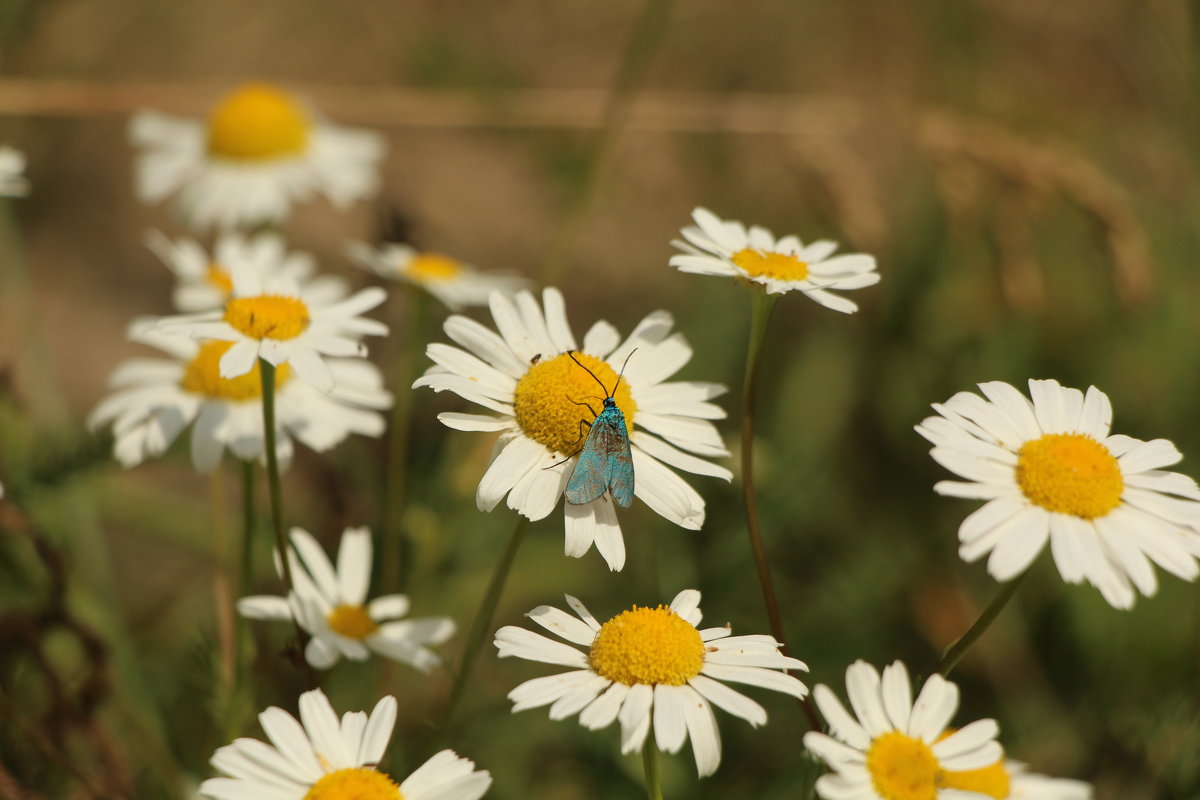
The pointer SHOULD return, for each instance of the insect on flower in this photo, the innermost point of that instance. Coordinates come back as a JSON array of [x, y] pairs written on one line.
[[605, 462]]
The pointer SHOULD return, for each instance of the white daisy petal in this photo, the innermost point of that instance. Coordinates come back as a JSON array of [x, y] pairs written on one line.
[[634, 717], [933, 709], [702, 730], [670, 730], [354, 565], [863, 688], [841, 722], [563, 624], [514, 641], [604, 709]]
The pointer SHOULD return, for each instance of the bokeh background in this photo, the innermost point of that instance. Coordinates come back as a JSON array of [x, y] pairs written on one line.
[[1025, 173]]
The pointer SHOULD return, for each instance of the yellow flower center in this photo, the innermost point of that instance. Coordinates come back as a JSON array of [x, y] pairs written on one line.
[[256, 122], [771, 265], [354, 783], [218, 276], [902, 768], [351, 622], [433, 267], [1070, 473], [994, 781], [268, 316], [548, 395], [202, 376], [648, 645]]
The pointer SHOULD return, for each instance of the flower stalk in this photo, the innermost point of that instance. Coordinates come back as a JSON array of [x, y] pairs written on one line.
[[959, 647], [274, 485], [483, 617], [650, 770], [761, 306]]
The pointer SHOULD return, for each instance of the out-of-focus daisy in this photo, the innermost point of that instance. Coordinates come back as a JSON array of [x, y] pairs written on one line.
[[331, 604], [449, 280], [893, 748], [1010, 780], [526, 376], [260, 150], [280, 321], [205, 282], [1050, 471], [726, 247], [154, 400], [12, 173], [649, 667], [319, 756]]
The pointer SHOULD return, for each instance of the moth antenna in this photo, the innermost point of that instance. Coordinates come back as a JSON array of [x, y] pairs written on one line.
[[571, 353], [622, 372]]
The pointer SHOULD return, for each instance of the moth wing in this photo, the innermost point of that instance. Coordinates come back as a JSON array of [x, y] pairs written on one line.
[[587, 479], [620, 468], [605, 459]]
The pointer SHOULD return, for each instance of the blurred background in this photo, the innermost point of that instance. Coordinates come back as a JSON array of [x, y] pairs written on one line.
[[1024, 172]]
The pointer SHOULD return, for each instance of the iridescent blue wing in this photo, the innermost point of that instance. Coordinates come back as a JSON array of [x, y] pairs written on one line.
[[605, 462], [620, 465]]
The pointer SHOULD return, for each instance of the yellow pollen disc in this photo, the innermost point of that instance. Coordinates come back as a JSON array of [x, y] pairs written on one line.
[[433, 267], [1070, 473], [202, 376], [351, 622], [648, 645], [257, 122], [902, 768], [268, 316], [757, 263], [544, 395], [354, 783], [219, 277]]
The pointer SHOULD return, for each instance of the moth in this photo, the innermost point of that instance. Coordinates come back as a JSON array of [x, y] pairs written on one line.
[[605, 461]]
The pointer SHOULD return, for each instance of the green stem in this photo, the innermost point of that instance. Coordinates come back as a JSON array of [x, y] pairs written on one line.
[[760, 315], [650, 769], [273, 482], [649, 29], [959, 647], [483, 617], [276, 492], [395, 497]]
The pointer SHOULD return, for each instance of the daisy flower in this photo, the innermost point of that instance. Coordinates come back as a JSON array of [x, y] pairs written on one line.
[[898, 749], [725, 247], [280, 321], [260, 150], [649, 667], [527, 377], [12, 173], [1051, 471], [318, 756], [451, 281], [204, 281], [331, 604], [155, 399]]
